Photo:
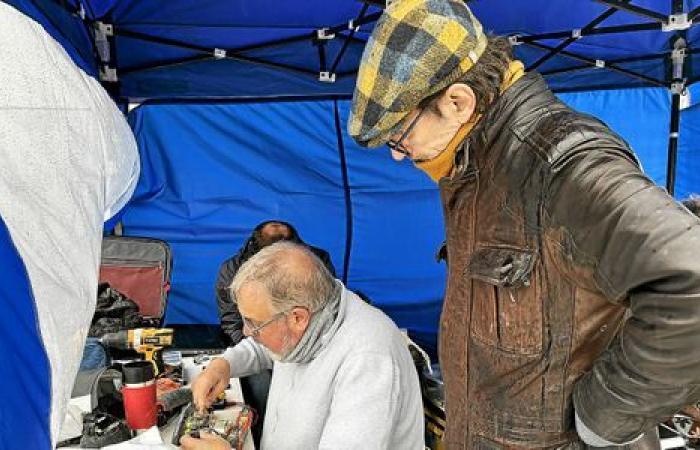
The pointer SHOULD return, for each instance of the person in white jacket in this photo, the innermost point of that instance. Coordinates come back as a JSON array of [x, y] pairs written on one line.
[[68, 162], [343, 377]]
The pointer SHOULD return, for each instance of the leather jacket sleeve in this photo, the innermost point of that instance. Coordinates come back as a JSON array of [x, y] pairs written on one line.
[[231, 320], [643, 251]]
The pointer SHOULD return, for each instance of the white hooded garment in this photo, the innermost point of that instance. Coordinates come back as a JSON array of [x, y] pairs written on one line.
[[68, 161]]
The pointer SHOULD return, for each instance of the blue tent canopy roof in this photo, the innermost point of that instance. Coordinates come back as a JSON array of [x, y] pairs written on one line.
[[272, 48], [153, 46]]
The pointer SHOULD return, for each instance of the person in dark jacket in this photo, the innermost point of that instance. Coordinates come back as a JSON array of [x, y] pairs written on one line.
[[263, 235], [572, 310], [255, 387]]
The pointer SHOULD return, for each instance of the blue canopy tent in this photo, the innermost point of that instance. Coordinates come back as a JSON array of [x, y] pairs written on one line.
[[243, 111]]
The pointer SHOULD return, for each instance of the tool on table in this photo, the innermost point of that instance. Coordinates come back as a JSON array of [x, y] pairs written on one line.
[[147, 341]]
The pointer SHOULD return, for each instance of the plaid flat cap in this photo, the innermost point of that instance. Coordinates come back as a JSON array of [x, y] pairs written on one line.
[[417, 48]]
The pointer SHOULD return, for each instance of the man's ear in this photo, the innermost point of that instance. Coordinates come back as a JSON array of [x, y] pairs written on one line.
[[457, 103], [299, 318]]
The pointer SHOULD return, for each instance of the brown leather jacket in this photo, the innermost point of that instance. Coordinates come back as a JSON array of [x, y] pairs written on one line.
[[554, 236]]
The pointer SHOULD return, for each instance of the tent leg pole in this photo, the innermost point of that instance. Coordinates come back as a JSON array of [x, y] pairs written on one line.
[[673, 142], [677, 87]]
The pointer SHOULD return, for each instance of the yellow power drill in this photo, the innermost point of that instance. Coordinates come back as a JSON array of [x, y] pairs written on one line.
[[147, 341]]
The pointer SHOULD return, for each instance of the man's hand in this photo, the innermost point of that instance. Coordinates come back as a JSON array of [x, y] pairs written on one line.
[[207, 441], [210, 383]]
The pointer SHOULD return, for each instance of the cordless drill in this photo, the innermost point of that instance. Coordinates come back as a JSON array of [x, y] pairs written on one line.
[[147, 341]]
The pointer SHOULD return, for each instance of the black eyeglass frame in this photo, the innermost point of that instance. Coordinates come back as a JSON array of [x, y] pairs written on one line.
[[397, 145]]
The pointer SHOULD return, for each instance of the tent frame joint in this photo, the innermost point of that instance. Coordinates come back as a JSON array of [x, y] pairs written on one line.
[[104, 29], [514, 39], [678, 87], [219, 53], [676, 22], [81, 11], [103, 34], [324, 34], [108, 74], [326, 77]]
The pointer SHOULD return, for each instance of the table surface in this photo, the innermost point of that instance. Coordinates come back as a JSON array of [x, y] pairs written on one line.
[[233, 394]]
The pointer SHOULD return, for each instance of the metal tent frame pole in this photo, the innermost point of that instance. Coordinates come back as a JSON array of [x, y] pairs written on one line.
[[677, 86], [673, 142]]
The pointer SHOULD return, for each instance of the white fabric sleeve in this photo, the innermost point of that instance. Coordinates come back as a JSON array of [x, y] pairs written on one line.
[[247, 358], [68, 159], [589, 437], [365, 404], [121, 158]]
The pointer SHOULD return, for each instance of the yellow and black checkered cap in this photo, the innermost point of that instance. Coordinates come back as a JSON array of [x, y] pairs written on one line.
[[417, 48]]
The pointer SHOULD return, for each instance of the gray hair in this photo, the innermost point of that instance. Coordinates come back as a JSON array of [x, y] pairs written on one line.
[[291, 274]]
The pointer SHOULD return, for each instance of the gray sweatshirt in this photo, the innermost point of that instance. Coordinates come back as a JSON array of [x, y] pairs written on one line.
[[360, 392]]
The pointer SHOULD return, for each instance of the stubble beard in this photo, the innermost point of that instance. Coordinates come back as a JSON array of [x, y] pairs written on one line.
[[286, 349]]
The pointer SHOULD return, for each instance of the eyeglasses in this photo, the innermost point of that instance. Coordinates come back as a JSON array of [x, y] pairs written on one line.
[[397, 145], [255, 330]]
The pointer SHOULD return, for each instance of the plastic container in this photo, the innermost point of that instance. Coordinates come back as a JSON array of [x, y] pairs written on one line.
[[139, 391]]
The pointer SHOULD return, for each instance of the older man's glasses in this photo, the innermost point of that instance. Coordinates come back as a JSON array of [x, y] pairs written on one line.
[[254, 330], [397, 144]]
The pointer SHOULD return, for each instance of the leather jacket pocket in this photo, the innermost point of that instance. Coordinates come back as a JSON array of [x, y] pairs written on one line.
[[506, 299]]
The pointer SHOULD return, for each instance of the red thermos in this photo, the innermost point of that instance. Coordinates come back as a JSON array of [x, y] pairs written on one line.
[[139, 391]]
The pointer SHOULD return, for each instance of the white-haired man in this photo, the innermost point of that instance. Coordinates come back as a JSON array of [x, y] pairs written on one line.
[[343, 376]]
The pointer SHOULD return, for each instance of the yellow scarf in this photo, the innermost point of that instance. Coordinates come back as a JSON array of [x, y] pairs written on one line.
[[442, 165]]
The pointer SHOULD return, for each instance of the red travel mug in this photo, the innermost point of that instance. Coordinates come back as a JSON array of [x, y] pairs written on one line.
[[139, 392]]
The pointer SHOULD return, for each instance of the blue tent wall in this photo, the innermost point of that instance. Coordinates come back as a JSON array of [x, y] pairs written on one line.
[[211, 172], [397, 231], [688, 169], [24, 367]]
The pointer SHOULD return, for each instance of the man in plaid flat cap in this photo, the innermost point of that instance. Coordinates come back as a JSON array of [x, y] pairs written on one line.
[[572, 310]]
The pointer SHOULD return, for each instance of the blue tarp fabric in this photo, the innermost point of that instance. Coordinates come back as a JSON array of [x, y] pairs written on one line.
[[211, 172], [24, 362], [688, 168]]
